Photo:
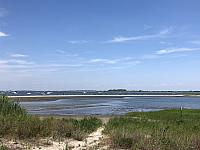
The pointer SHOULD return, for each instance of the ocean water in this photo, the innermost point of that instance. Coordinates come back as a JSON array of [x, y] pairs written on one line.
[[108, 106]]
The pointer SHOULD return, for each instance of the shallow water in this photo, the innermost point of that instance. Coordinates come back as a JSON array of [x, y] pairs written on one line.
[[108, 106]]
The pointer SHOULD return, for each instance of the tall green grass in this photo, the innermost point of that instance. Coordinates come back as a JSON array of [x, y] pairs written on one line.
[[16, 123], [10, 108], [165, 130]]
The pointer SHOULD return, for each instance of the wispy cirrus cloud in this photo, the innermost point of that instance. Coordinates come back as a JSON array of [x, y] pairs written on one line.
[[13, 65], [16, 62], [2, 34], [121, 39], [104, 61], [119, 61], [20, 62], [18, 55], [78, 41], [176, 50]]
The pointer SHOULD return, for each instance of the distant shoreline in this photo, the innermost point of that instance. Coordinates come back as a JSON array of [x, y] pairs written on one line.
[[50, 97], [163, 95]]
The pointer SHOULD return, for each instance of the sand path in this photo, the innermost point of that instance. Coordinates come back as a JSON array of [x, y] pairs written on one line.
[[92, 142]]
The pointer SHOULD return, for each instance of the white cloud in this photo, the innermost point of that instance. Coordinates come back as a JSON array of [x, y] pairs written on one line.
[[2, 34], [3, 62], [176, 50], [78, 41], [119, 61], [20, 62], [121, 39], [16, 62], [104, 61], [18, 55], [12, 65]]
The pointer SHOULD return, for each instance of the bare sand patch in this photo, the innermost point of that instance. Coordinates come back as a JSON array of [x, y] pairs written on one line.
[[92, 141]]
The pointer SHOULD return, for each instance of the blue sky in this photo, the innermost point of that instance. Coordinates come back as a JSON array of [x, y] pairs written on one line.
[[105, 44]]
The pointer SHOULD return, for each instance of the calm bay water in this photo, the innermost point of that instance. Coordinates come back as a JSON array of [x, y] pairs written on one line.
[[108, 106]]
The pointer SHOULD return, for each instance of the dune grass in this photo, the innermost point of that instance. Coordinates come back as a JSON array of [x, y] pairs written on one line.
[[165, 130], [15, 123]]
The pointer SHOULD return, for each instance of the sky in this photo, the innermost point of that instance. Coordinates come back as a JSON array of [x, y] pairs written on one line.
[[99, 44]]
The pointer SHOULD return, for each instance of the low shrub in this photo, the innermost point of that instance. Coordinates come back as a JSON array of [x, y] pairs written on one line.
[[16, 123]]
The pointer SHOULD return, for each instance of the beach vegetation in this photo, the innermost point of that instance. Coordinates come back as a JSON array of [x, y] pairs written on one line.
[[16, 123], [166, 129]]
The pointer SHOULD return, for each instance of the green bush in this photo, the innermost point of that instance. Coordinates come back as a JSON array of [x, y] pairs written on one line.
[[16, 123], [8, 107]]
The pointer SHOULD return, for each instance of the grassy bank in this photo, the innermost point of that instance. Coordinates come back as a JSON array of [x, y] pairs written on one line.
[[15, 123], [166, 130]]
